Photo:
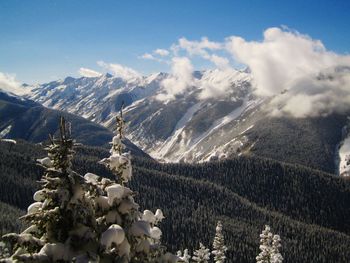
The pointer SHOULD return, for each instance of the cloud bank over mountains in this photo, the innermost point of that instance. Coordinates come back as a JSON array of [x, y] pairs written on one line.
[[298, 72], [89, 73], [313, 80], [8, 83], [316, 81], [119, 70]]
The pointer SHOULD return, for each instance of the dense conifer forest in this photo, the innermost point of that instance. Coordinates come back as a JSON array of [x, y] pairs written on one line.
[[307, 208]]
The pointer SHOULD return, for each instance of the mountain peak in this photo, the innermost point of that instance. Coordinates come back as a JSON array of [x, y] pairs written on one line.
[[107, 75], [68, 80]]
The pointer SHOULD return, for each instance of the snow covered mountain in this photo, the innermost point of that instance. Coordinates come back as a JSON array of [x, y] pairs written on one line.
[[183, 129], [96, 99], [25, 119], [195, 128]]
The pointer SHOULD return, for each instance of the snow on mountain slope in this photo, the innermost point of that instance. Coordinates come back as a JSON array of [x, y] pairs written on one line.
[[344, 154], [17, 92], [94, 98], [183, 129], [343, 158], [217, 116]]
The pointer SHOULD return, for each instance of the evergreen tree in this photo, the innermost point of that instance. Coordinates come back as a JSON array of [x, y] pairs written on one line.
[[219, 245], [266, 238], [276, 256], [269, 247], [62, 218], [201, 255], [185, 256], [124, 232]]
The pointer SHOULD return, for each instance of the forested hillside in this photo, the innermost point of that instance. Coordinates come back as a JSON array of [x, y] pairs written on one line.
[[312, 141], [302, 193], [245, 194]]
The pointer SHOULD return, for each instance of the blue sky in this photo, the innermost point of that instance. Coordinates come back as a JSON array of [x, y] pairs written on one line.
[[47, 40]]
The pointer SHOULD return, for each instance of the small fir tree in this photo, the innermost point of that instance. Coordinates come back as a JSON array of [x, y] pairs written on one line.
[[276, 256], [202, 254], [269, 247], [185, 256], [219, 248]]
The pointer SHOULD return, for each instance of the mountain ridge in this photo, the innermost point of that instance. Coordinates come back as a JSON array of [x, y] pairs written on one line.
[[193, 128], [25, 119]]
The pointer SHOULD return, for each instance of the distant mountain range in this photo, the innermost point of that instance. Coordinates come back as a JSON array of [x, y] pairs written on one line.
[[25, 119], [193, 129]]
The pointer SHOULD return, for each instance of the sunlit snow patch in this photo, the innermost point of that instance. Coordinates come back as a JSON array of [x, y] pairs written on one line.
[[5, 131], [344, 156]]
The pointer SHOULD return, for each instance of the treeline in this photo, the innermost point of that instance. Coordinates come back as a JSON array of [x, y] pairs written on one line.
[[193, 198]]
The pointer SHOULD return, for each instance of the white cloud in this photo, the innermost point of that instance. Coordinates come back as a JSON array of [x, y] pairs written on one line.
[[198, 47], [161, 52], [180, 80], [204, 48], [8, 83], [316, 95], [89, 73], [287, 60], [157, 55], [220, 62], [120, 71], [280, 58], [316, 79], [148, 56], [218, 82]]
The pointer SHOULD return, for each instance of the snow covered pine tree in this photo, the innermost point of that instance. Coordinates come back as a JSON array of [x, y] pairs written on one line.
[[219, 245], [87, 219], [185, 257], [269, 247], [201, 255], [61, 210]]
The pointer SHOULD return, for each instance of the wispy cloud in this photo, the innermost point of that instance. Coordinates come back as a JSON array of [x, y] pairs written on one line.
[[317, 80], [198, 47], [156, 55], [119, 70], [181, 78], [8, 83], [161, 52], [148, 56], [89, 73]]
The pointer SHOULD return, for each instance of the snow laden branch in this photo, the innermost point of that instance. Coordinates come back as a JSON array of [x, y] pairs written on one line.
[[118, 162]]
